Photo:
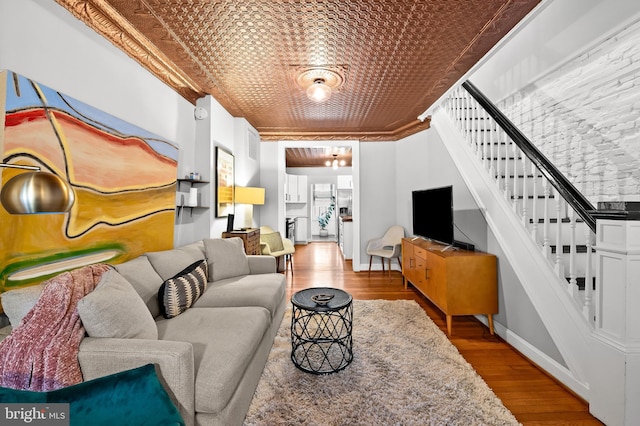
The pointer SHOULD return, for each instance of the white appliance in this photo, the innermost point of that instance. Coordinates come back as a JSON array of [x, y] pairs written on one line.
[[302, 236]]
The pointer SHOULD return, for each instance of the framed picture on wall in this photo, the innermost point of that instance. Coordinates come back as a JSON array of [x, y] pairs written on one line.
[[224, 183]]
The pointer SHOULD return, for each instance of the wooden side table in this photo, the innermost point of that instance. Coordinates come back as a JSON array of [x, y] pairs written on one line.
[[250, 238]]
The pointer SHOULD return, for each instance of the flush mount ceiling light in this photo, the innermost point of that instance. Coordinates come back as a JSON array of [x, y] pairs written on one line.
[[319, 83], [335, 163]]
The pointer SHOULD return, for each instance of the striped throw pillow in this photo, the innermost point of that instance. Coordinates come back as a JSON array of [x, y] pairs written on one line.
[[177, 294]]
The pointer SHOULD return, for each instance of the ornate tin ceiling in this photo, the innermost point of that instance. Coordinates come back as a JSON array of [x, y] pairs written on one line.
[[317, 156], [397, 56]]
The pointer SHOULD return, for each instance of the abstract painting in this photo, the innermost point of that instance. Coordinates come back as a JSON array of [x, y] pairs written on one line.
[[124, 179]]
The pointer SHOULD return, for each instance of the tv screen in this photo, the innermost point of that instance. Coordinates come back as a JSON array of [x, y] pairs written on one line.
[[433, 214]]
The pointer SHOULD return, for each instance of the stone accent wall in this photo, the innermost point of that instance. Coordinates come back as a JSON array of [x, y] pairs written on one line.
[[585, 116]]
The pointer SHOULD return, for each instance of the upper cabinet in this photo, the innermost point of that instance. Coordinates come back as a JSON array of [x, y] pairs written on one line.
[[295, 189], [345, 182]]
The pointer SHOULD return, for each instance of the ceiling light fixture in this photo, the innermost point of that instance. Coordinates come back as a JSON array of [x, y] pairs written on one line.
[[335, 163], [319, 91], [319, 83]]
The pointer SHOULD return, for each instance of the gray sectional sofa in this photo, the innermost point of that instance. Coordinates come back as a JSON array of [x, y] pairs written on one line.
[[211, 356]]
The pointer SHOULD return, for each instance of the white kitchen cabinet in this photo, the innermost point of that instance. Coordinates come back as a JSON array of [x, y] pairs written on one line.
[[295, 189], [302, 235], [302, 189], [345, 182]]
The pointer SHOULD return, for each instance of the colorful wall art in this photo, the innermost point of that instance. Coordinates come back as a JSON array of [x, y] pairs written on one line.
[[124, 179]]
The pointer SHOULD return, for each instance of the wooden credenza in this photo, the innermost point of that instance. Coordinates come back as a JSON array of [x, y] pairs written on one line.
[[458, 282], [250, 238]]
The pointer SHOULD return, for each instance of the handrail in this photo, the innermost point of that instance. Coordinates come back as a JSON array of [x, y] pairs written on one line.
[[575, 198]]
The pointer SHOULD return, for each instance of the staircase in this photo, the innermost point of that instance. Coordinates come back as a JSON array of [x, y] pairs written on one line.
[[541, 221]]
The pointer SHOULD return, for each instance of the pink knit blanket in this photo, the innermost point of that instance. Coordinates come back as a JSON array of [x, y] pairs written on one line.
[[41, 353]]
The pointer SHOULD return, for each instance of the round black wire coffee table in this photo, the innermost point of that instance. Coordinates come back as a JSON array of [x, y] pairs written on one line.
[[321, 325]]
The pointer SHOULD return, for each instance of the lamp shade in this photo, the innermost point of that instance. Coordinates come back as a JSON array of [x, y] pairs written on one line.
[[36, 192], [248, 195]]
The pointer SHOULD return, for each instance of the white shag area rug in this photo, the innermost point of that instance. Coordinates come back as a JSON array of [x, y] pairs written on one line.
[[404, 372]]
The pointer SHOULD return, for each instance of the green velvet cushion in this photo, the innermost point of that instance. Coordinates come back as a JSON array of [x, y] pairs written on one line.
[[274, 240], [133, 397]]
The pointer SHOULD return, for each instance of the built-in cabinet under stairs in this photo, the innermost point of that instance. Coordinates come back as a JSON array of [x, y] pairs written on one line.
[[545, 232]]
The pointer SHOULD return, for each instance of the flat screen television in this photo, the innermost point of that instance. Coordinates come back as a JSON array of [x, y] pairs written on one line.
[[433, 214]]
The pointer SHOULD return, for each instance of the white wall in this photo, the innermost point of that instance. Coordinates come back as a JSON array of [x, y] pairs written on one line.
[[422, 162], [44, 42], [559, 30], [269, 181], [377, 193]]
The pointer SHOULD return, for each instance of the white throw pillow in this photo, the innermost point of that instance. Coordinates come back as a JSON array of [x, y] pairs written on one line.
[[18, 303], [115, 309]]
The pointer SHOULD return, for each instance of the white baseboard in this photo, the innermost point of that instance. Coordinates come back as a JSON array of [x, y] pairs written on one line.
[[542, 360], [364, 267]]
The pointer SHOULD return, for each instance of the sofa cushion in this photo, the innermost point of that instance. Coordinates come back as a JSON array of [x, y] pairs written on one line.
[[226, 258], [178, 293], [224, 342], [266, 290], [17, 303], [108, 400], [144, 279], [169, 263], [114, 309], [274, 240]]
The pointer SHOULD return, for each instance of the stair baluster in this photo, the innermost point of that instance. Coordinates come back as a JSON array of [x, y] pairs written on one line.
[[520, 177]]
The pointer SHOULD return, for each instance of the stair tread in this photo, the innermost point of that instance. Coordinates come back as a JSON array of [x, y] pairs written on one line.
[[566, 249], [580, 281], [555, 220]]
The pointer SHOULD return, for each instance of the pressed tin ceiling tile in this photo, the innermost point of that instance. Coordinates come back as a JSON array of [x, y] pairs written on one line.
[[397, 57]]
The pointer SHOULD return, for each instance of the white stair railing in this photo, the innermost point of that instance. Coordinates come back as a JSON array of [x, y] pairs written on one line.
[[548, 217]]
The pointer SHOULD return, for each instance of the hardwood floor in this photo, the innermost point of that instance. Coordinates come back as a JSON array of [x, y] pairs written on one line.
[[531, 395]]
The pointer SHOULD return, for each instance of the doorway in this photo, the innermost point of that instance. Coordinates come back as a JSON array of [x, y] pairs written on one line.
[[322, 169], [324, 223]]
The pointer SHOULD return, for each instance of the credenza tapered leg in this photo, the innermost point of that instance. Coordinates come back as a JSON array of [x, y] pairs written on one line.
[[490, 318], [449, 320]]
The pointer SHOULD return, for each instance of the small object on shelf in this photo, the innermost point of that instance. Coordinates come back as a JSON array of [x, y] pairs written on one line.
[[192, 201], [322, 299]]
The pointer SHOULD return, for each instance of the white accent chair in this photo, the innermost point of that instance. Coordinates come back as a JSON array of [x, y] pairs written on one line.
[[387, 247], [272, 244]]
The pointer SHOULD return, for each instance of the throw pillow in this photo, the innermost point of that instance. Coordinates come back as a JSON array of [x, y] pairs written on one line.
[[226, 258], [274, 240], [114, 309], [144, 279], [133, 397], [17, 303], [168, 263], [177, 294]]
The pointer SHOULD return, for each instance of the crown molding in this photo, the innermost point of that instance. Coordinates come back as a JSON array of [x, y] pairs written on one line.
[[103, 19]]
